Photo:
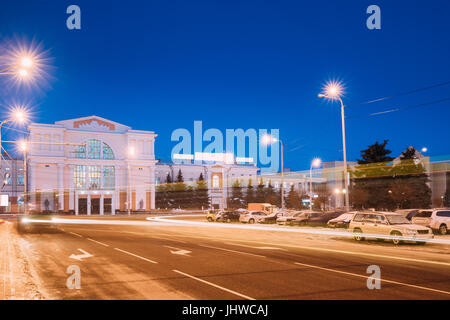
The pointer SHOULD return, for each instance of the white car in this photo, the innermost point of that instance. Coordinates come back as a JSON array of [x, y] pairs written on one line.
[[370, 224], [342, 221], [436, 219], [252, 217]]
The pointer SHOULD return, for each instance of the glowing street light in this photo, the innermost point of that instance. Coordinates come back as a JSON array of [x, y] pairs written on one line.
[[315, 163], [268, 139], [334, 90]]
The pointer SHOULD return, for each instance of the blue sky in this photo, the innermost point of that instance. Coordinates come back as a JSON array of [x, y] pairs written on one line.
[[160, 65]]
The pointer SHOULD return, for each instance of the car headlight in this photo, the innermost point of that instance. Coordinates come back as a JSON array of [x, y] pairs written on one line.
[[25, 220], [411, 232]]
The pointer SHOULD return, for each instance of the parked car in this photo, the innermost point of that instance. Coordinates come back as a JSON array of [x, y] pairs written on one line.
[[341, 221], [228, 216], [252, 217], [211, 215], [436, 219], [285, 219], [408, 213], [322, 218], [387, 224]]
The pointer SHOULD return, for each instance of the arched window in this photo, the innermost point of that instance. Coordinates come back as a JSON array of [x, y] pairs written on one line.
[[7, 178], [80, 152], [107, 152], [94, 150]]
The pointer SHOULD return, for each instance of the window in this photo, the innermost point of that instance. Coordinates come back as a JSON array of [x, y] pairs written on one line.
[[80, 177], [7, 178], [80, 152], [94, 177], [21, 179], [108, 177], [216, 182], [358, 217], [443, 213], [94, 149], [107, 152]]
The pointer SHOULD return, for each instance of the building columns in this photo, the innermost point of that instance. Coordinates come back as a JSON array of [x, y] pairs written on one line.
[[60, 186]]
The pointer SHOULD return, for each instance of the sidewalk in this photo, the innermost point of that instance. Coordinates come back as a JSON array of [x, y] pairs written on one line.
[[15, 275]]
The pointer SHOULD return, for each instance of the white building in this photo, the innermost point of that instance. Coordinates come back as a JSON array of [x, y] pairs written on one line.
[[12, 184], [85, 165], [219, 176]]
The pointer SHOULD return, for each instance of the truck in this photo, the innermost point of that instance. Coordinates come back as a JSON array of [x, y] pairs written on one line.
[[267, 208]]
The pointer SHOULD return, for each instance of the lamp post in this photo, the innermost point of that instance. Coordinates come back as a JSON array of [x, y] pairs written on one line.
[[16, 115], [315, 163], [24, 148], [333, 91], [268, 139]]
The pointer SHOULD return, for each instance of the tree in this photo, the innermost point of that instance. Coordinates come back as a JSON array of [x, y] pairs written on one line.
[[180, 195], [410, 186], [201, 193], [323, 196], [271, 196], [250, 193], [260, 192], [237, 199], [293, 200], [372, 179]]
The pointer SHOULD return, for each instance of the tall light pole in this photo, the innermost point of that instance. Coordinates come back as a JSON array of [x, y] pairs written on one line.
[[24, 148], [333, 91], [315, 163], [16, 115], [268, 139]]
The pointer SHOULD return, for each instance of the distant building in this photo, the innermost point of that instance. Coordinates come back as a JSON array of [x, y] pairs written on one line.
[[12, 184]]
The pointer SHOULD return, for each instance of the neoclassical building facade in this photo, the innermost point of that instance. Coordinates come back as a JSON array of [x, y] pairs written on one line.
[[90, 165]]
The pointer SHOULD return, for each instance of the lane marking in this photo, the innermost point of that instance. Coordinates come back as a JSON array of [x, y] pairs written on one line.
[[103, 244], [328, 250], [135, 255], [76, 234], [366, 277], [241, 252], [215, 285], [262, 248]]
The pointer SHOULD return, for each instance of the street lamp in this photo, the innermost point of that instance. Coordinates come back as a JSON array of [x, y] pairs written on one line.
[[18, 115], [23, 146], [315, 163], [269, 139], [333, 91], [22, 66]]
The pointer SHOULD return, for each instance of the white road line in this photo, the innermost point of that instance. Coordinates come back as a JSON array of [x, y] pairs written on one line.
[[363, 276], [253, 247], [76, 234], [215, 285], [103, 244], [241, 252], [135, 255]]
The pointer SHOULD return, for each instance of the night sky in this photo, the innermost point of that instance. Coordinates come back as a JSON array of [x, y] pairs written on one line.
[[160, 65]]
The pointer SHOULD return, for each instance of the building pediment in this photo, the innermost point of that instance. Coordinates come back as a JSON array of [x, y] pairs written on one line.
[[93, 123]]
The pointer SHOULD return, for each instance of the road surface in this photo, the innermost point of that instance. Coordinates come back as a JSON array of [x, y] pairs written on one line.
[[164, 261]]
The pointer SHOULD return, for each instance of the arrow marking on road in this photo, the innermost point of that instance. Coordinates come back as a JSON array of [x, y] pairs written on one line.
[[80, 257], [178, 251]]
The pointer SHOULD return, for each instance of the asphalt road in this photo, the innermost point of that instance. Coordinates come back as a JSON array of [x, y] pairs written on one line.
[[187, 262]]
